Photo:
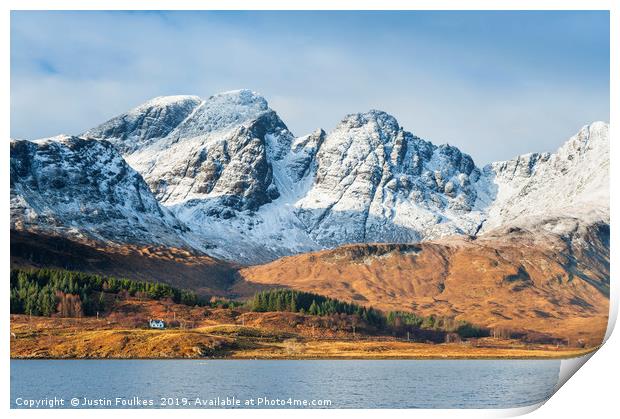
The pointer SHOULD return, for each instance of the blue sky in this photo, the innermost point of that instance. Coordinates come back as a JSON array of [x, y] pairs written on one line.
[[495, 84]]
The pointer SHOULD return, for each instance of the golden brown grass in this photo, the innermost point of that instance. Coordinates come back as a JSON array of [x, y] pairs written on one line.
[[398, 350], [518, 282], [90, 338]]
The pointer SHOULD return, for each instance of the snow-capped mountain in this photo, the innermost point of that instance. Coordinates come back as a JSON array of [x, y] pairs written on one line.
[[83, 188], [248, 190], [573, 182], [376, 182], [223, 152]]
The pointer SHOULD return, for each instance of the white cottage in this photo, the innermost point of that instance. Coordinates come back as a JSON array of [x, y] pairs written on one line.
[[157, 324]]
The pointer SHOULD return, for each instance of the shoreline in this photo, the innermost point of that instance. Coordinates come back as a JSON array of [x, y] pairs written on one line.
[[73, 339], [418, 352]]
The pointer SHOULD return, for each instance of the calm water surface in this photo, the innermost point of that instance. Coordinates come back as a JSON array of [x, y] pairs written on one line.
[[346, 384]]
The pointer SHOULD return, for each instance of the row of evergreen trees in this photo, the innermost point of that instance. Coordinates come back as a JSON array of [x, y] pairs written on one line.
[[43, 292], [407, 321], [312, 304], [397, 321]]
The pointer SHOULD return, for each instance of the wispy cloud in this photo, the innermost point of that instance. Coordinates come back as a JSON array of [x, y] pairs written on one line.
[[494, 84]]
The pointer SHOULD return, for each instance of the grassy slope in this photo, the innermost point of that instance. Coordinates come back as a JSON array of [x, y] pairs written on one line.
[[230, 333], [177, 267], [56, 338], [518, 282]]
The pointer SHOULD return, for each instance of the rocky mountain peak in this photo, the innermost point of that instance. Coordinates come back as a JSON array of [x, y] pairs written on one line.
[[375, 120], [573, 180], [241, 97], [217, 116], [592, 138], [377, 182], [145, 124], [221, 156], [163, 120], [166, 102], [84, 188]]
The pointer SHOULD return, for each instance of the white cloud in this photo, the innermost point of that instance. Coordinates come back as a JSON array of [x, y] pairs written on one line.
[[71, 71]]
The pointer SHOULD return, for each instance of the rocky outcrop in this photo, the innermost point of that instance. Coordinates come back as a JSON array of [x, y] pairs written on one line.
[[573, 182], [377, 182], [145, 124], [220, 157], [83, 188]]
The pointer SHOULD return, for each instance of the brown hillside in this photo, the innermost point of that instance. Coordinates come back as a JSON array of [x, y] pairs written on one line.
[[177, 267], [513, 279]]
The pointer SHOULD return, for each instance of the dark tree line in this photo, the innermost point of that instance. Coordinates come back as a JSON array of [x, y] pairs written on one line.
[[312, 304], [43, 292], [397, 322], [403, 321]]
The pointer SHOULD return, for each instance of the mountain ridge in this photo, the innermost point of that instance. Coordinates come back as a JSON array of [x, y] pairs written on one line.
[[84, 188], [246, 189]]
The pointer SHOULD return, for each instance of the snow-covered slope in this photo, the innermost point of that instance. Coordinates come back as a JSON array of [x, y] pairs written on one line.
[[83, 188], [145, 124], [222, 153], [228, 168], [573, 182], [376, 182]]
